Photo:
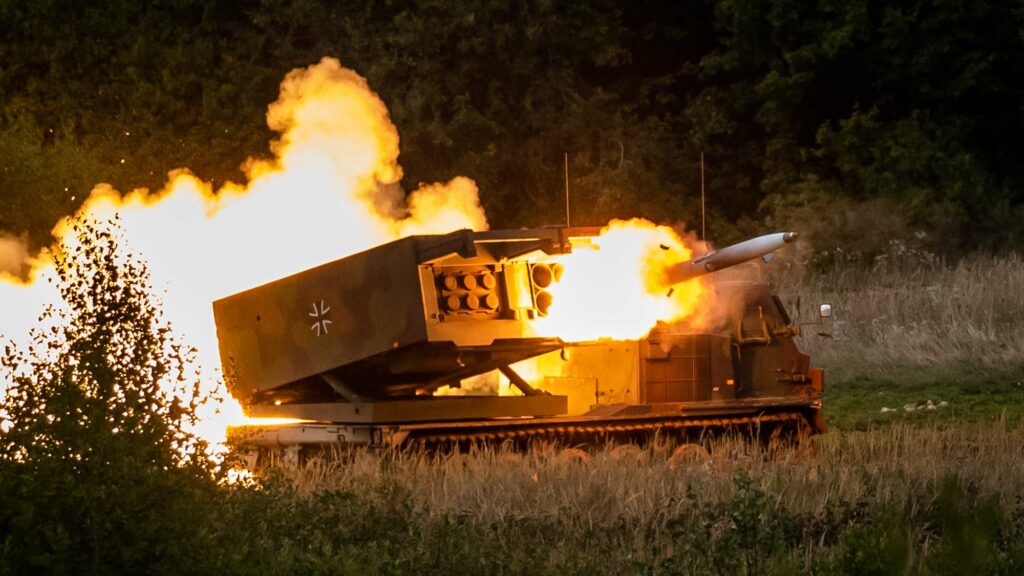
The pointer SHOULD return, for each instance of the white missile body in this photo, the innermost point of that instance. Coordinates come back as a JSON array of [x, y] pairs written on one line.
[[729, 256]]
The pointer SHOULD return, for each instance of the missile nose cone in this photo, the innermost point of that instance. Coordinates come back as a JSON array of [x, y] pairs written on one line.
[[790, 236]]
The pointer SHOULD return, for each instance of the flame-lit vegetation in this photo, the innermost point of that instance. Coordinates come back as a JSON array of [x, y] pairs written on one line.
[[97, 461], [104, 362]]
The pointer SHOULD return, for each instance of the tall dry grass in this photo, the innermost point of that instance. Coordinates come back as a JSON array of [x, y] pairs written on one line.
[[926, 313], [649, 488]]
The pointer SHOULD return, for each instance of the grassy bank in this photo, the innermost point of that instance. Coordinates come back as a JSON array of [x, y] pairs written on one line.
[[904, 335], [926, 315]]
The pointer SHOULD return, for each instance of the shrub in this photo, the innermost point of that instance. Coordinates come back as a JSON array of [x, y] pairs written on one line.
[[97, 469]]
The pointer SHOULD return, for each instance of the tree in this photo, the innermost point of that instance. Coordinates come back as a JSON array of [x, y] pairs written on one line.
[[98, 471], [915, 102]]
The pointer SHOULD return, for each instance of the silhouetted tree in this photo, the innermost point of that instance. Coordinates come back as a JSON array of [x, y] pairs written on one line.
[[98, 471]]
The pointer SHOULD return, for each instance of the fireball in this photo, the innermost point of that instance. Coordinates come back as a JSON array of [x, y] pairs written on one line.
[[612, 285]]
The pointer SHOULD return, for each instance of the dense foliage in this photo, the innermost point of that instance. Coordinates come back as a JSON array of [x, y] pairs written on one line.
[[799, 107], [98, 471]]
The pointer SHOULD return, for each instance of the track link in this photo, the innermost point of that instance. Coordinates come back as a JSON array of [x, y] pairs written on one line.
[[600, 432]]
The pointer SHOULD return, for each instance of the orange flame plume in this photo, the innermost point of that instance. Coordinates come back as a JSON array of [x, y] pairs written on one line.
[[330, 190], [611, 284]]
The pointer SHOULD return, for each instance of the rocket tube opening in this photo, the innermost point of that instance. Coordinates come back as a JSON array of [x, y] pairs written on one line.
[[542, 275], [543, 301], [557, 269], [488, 281]]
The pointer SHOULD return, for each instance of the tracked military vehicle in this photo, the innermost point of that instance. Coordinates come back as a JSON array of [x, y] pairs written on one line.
[[388, 347]]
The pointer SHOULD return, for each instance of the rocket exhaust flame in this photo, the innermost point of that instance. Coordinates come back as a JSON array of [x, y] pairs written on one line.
[[613, 285]]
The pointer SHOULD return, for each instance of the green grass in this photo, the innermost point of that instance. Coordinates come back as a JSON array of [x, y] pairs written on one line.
[[856, 401], [909, 332]]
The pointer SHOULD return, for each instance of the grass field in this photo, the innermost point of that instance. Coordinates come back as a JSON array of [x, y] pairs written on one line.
[[913, 333], [931, 498]]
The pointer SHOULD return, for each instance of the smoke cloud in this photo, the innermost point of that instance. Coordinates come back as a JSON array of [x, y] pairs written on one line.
[[14, 255]]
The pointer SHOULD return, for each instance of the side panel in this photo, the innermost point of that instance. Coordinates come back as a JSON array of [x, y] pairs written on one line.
[[481, 333], [686, 368], [590, 374], [438, 409], [771, 363], [322, 318]]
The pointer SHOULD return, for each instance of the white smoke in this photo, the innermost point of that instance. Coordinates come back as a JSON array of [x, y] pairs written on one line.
[[14, 255]]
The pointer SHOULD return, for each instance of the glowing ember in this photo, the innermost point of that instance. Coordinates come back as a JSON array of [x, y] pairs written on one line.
[[611, 286], [329, 191]]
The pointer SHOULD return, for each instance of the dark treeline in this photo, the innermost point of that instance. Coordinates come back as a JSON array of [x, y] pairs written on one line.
[[878, 121]]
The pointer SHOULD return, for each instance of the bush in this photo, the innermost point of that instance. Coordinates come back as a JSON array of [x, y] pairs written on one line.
[[97, 469]]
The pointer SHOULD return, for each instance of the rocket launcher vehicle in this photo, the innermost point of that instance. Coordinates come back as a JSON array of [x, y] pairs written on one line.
[[369, 338]]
